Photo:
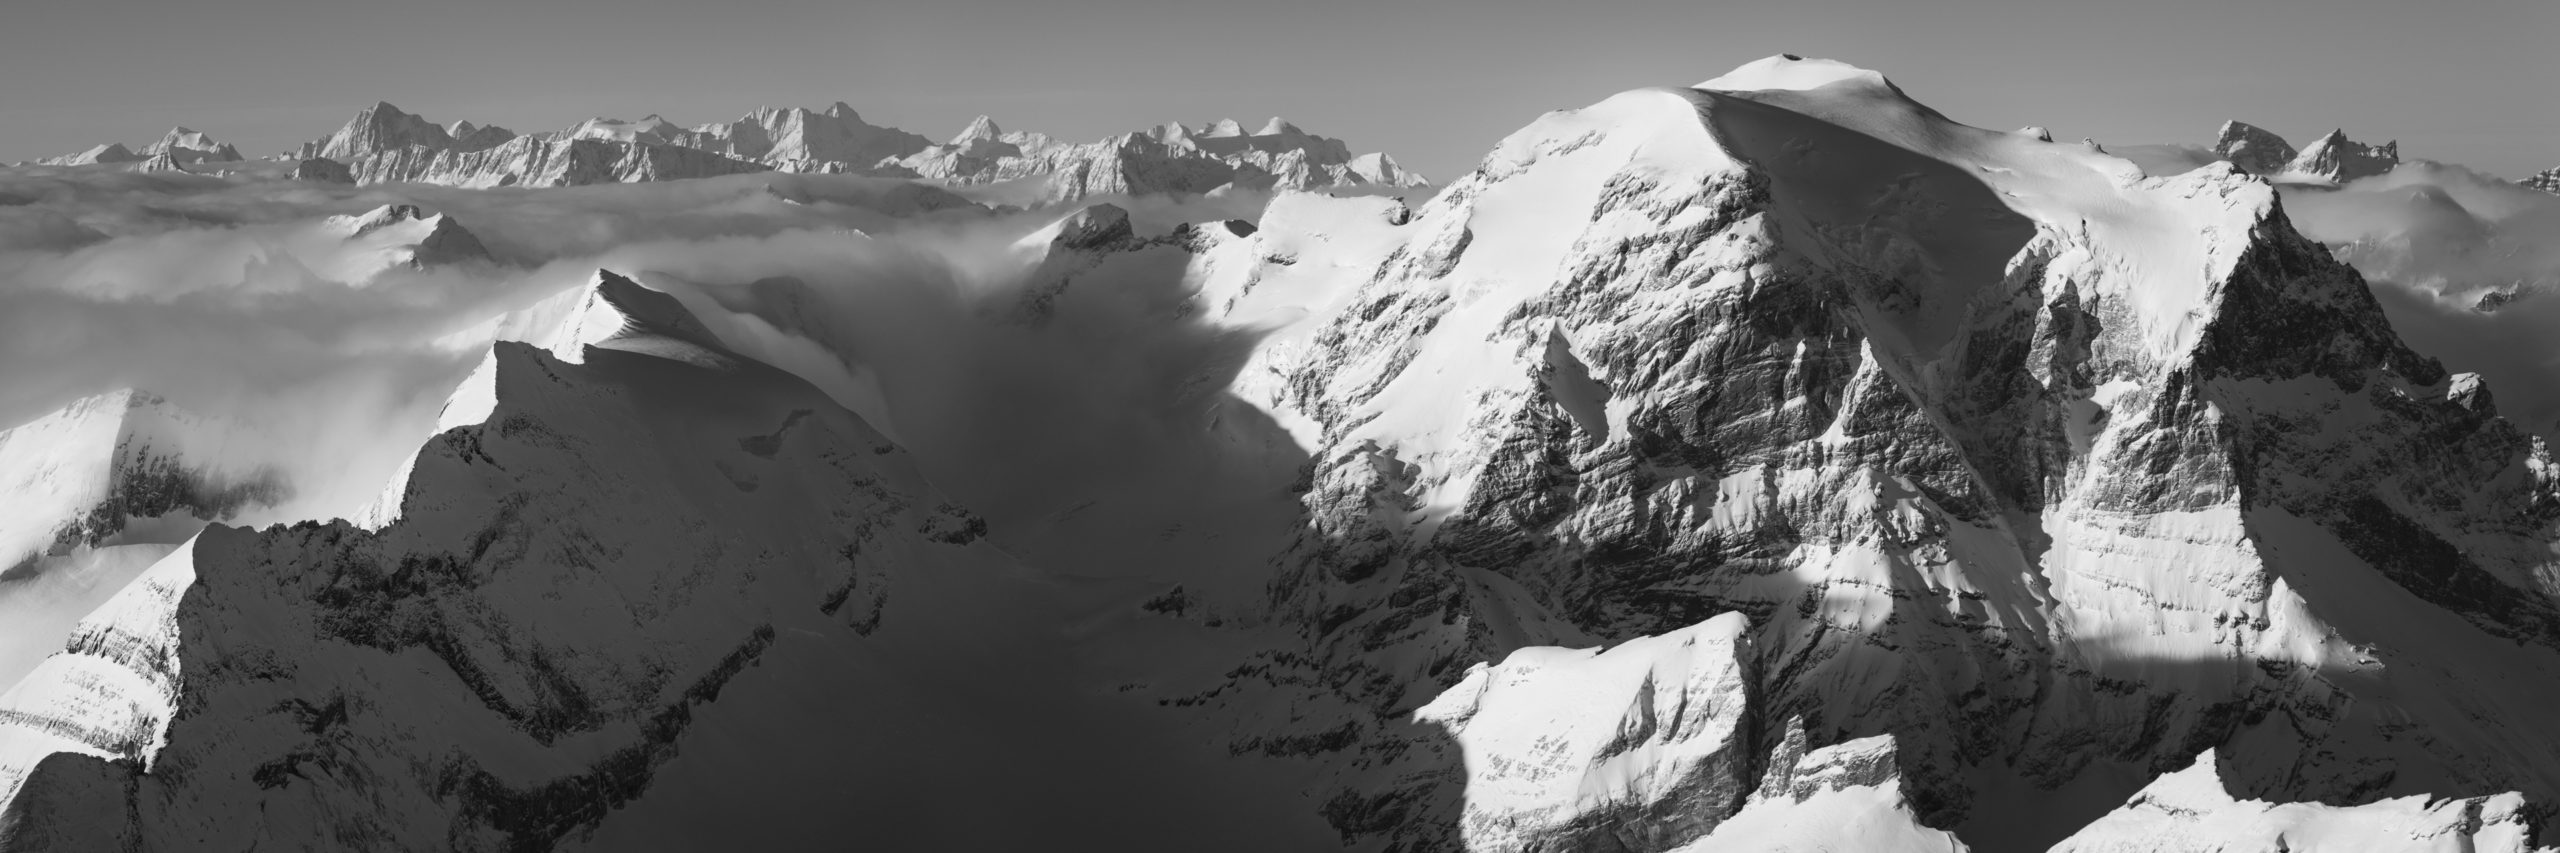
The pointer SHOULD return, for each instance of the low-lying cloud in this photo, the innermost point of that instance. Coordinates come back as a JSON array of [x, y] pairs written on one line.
[[896, 298], [2468, 267]]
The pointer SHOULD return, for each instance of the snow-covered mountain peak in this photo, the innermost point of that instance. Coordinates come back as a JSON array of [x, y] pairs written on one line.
[[377, 129], [1811, 304], [112, 152], [1789, 71], [2253, 149], [171, 152], [1278, 126], [192, 146], [982, 128], [2336, 159], [402, 235], [1222, 128], [614, 312]]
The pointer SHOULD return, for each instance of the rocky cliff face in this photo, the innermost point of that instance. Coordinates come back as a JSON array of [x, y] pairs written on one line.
[[2035, 491]]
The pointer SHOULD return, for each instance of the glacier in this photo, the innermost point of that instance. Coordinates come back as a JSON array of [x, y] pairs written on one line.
[[1770, 463]]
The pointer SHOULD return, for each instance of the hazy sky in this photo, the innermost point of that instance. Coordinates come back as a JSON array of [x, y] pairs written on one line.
[[1435, 82]]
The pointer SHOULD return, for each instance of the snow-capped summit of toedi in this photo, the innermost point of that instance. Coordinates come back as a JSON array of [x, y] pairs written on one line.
[[2047, 471]]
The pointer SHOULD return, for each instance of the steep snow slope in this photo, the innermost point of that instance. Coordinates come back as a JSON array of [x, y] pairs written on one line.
[[2055, 472], [567, 582], [89, 471]]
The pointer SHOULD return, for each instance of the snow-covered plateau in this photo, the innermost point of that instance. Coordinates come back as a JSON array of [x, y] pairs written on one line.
[[1772, 463]]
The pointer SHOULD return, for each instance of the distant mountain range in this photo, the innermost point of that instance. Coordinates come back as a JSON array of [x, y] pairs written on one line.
[[384, 144]]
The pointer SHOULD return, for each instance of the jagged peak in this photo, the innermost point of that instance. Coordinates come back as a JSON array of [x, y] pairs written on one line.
[[842, 110], [1278, 126], [982, 127], [2334, 157]]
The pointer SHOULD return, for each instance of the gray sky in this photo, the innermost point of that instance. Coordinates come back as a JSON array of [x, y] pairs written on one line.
[[1434, 82]]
